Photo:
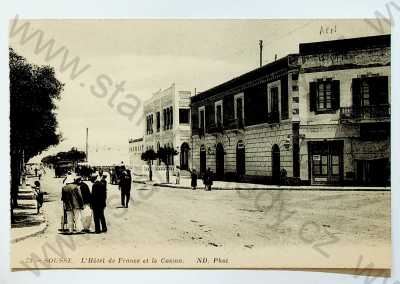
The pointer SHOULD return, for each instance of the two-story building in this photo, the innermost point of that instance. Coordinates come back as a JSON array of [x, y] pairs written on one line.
[[344, 88], [242, 129], [322, 115], [168, 124]]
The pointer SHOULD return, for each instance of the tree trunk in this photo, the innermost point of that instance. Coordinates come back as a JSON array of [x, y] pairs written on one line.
[[167, 169], [150, 172]]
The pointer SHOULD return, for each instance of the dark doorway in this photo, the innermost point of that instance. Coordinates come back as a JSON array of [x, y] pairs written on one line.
[[203, 164], [185, 156], [240, 159], [276, 164], [219, 161], [373, 172]]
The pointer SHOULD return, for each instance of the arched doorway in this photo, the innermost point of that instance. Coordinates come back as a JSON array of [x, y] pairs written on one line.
[[276, 164], [240, 159], [185, 156], [219, 161], [203, 164]]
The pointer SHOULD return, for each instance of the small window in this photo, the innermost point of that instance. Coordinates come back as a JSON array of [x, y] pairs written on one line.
[[184, 115], [324, 95]]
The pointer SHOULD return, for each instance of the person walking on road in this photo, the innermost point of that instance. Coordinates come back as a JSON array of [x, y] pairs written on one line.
[[38, 195], [193, 176], [99, 197], [87, 203], [125, 185], [208, 179], [73, 204]]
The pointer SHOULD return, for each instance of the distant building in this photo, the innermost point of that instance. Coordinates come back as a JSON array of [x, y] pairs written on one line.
[[168, 124], [135, 153], [318, 117]]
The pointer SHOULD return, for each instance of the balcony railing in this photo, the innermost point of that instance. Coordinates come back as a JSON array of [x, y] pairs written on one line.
[[215, 128], [235, 124], [365, 113], [198, 131], [273, 117]]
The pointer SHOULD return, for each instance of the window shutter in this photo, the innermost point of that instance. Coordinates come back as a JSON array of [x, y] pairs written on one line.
[[313, 96], [335, 94], [355, 90], [209, 115], [284, 99]]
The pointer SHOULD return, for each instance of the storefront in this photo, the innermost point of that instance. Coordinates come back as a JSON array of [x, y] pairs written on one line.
[[326, 162]]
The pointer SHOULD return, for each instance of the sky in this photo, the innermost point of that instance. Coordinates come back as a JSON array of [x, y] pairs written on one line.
[[144, 56]]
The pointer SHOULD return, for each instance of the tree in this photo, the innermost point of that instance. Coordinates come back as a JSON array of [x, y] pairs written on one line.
[[73, 155], [149, 156], [33, 124], [166, 155]]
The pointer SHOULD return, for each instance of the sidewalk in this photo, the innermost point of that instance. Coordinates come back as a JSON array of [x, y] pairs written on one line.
[[224, 185], [27, 222]]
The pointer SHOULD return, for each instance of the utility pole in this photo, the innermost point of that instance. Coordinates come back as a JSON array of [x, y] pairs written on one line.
[[87, 144], [261, 48]]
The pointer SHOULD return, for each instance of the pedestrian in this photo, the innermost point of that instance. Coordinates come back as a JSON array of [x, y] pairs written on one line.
[[39, 173], [38, 195], [178, 175], [208, 180], [99, 197], [125, 185], [193, 176], [73, 204], [87, 203], [36, 172]]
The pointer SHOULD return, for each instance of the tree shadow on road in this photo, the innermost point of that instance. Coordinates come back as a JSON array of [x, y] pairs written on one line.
[[24, 219]]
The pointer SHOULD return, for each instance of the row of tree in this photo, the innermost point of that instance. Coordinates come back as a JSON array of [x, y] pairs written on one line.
[[164, 154], [33, 125], [73, 155]]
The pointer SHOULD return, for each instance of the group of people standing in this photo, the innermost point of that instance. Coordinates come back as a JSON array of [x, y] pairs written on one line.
[[207, 179], [80, 204]]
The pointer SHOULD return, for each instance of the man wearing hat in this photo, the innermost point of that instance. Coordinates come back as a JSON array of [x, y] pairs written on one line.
[[73, 204], [99, 198], [125, 185]]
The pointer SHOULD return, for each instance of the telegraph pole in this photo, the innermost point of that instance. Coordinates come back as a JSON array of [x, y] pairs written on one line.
[[87, 144], [261, 48]]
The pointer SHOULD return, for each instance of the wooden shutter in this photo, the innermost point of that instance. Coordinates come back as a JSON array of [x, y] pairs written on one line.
[[335, 94], [313, 96], [356, 92], [209, 115], [284, 98]]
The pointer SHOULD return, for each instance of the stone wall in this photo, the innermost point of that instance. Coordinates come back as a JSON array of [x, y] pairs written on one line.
[[258, 142]]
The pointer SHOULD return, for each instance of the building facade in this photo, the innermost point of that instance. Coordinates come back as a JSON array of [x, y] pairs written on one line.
[[135, 154], [242, 128], [318, 117], [345, 111], [168, 124]]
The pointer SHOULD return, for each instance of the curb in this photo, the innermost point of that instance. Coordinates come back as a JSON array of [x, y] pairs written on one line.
[[294, 188]]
